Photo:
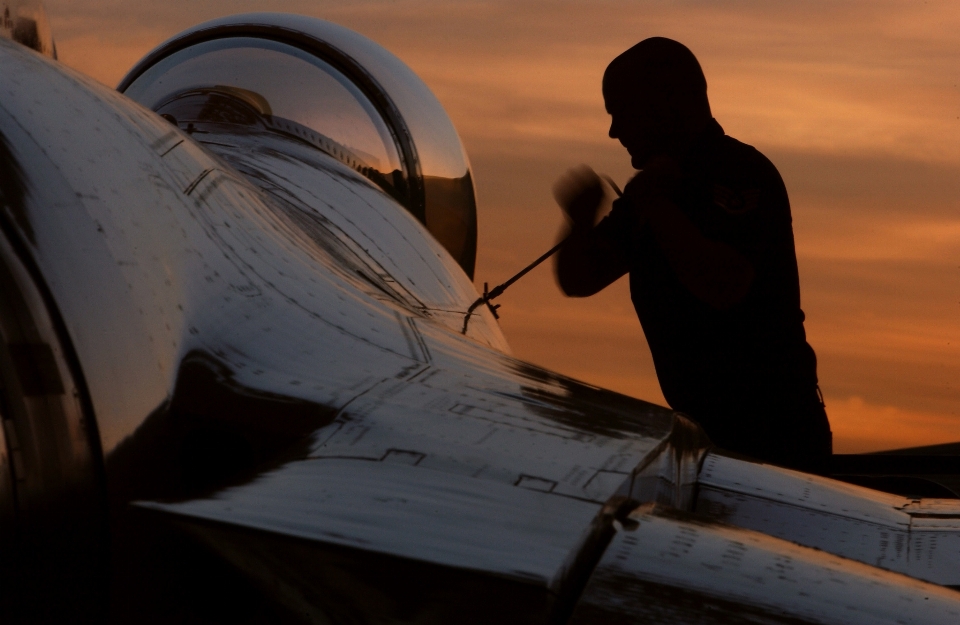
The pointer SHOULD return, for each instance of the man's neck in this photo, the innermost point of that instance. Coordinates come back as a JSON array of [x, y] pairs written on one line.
[[690, 136]]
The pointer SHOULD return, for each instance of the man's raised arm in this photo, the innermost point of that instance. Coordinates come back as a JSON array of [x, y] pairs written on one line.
[[588, 262]]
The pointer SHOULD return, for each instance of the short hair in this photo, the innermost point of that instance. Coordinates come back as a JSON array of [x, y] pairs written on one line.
[[657, 65]]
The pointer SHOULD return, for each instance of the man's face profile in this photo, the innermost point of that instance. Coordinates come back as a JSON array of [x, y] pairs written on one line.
[[640, 123], [656, 96]]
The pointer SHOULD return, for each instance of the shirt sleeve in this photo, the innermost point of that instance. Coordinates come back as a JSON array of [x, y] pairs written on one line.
[[616, 229]]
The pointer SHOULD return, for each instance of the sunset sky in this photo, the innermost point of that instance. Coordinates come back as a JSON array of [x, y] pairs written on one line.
[[857, 103]]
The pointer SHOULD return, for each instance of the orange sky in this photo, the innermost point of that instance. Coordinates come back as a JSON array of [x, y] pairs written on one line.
[[857, 103]]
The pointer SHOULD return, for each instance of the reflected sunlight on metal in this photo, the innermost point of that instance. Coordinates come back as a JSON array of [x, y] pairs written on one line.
[[335, 89], [289, 90]]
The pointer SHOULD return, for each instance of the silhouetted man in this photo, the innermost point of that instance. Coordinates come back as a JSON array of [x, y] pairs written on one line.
[[704, 229]]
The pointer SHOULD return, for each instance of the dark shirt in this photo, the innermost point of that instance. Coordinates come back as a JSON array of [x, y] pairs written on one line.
[[739, 369]]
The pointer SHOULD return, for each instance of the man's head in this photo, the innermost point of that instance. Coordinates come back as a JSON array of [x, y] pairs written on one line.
[[656, 95]]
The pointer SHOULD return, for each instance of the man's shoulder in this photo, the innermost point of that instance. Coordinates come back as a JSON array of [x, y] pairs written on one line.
[[735, 158], [740, 178]]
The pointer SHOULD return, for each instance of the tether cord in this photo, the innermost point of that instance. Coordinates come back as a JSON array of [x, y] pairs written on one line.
[[499, 289]]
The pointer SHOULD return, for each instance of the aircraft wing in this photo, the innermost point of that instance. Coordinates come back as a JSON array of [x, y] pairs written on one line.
[[235, 386]]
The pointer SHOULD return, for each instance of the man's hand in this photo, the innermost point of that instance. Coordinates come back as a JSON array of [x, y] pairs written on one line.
[[580, 193]]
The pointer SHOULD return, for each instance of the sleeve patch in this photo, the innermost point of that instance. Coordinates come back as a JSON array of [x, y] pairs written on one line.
[[736, 202]]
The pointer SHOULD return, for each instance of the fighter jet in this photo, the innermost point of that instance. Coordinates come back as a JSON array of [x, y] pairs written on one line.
[[236, 386]]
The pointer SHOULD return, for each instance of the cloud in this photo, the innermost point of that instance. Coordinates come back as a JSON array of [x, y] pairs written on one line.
[[859, 426], [852, 77]]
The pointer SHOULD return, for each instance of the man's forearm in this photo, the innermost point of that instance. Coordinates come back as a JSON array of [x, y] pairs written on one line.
[[587, 263]]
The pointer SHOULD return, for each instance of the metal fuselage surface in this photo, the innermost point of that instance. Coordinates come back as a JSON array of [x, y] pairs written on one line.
[[302, 345], [267, 353]]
